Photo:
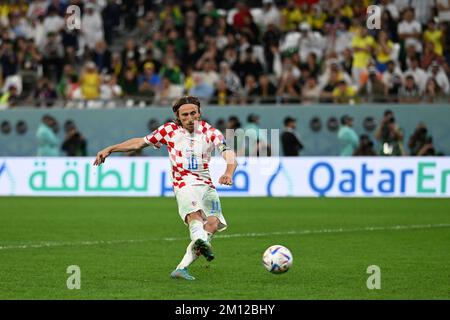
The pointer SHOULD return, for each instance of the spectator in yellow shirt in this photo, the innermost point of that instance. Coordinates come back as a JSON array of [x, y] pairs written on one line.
[[291, 16], [383, 51], [362, 45], [189, 82], [346, 11], [172, 10], [19, 7], [435, 36], [344, 93], [316, 18], [90, 81]]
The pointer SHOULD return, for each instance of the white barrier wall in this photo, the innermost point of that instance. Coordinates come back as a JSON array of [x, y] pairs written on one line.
[[303, 176]]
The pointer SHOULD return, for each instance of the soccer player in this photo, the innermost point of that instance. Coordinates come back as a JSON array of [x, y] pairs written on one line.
[[190, 143]]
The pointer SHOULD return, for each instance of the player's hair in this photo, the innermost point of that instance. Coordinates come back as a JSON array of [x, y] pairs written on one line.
[[184, 100]]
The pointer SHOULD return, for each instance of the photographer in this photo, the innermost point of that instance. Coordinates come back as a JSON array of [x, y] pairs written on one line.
[[420, 143], [74, 143], [390, 135], [365, 147]]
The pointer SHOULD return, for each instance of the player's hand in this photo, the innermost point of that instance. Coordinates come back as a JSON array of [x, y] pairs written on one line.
[[101, 156], [226, 179]]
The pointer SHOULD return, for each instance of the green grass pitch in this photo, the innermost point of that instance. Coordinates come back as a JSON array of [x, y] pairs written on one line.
[[127, 247]]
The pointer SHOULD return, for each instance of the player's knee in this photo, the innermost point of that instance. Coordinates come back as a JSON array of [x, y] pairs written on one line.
[[212, 224], [194, 216]]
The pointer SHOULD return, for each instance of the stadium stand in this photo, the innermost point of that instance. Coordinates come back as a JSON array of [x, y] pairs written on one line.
[[260, 53], [141, 53]]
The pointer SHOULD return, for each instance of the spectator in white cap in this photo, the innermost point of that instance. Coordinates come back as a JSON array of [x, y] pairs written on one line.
[[109, 90], [410, 30], [270, 14], [53, 22], [91, 26], [310, 41], [304, 41], [290, 41]]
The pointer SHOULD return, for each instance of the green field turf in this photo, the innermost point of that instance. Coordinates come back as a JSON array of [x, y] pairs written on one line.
[[121, 246]]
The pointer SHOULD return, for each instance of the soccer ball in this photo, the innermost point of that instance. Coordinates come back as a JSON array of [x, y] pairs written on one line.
[[277, 259]]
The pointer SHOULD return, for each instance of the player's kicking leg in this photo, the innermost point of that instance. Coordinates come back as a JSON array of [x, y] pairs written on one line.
[[211, 226], [199, 245]]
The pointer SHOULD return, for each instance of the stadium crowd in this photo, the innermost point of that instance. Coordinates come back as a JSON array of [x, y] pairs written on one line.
[[141, 52]]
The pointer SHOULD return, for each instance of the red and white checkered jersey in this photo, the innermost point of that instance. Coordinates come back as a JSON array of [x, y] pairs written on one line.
[[189, 153]]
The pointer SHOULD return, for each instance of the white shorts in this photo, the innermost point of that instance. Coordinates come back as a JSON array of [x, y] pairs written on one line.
[[200, 197]]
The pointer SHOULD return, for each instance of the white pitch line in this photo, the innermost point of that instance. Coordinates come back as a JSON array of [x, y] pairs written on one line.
[[63, 244], [226, 236], [321, 231]]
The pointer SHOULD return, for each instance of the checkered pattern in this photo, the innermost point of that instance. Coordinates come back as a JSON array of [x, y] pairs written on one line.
[[181, 144], [162, 135], [212, 134]]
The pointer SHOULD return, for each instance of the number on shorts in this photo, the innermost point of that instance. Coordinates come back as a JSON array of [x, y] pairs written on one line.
[[215, 206]]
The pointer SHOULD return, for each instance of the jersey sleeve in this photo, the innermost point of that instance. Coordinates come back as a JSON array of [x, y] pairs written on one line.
[[160, 136], [218, 140]]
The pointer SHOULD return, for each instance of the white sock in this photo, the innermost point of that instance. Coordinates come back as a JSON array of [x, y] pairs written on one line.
[[189, 257], [210, 236], [196, 230]]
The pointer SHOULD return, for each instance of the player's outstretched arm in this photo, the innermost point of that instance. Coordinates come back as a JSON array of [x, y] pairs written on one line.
[[133, 144], [230, 158]]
